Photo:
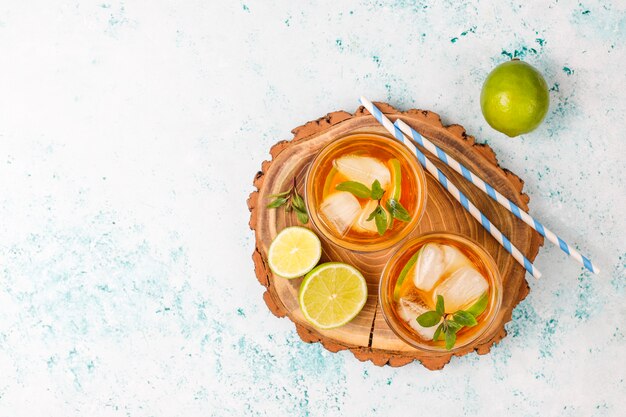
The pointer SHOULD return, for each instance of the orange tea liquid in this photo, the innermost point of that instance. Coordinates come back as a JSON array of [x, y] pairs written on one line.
[[407, 190]]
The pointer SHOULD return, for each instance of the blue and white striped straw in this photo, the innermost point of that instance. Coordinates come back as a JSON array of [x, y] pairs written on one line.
[[495, 195], [452, 189]]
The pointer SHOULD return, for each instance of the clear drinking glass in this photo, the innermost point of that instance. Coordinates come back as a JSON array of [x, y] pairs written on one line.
[[321, 180], [479, 259]]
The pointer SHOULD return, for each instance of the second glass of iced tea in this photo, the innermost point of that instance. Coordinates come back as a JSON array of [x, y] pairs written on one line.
[[440, 265], [344, 213]]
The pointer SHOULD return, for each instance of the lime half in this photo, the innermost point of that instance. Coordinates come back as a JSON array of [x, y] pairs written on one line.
[[332, 294], [294, 252]]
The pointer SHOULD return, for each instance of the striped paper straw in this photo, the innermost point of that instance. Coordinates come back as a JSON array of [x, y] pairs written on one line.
[[452, 189], [495, 195]]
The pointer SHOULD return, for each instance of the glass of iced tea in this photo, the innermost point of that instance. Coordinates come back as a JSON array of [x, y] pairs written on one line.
[[365, 192], [441, 268]]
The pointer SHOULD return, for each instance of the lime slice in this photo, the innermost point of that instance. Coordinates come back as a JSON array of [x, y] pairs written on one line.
[[396, 186], [332, 294], [396, 179], [479, 306], [294, 252], [329, 180], [405, 271]]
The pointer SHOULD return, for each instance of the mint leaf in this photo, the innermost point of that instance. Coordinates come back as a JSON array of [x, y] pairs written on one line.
[[298, 202], [355, 188], [302, 217], [283, 194], [377, 190], [450, 339], [373, 214], [453, 326], [464, 318], [479, 306], [438, 332], [380, 217], [440, 308], [428, 319], [397, 210], [381, 221], [278, 202]]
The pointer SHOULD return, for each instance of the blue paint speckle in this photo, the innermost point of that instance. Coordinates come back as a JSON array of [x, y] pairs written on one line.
[[464, 33], [520, 53]]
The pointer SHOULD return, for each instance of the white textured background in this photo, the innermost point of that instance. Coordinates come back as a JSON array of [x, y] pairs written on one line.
[[129, 135]]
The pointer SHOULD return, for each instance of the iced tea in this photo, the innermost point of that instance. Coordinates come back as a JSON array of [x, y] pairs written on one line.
[[445, 268], [342, 198]]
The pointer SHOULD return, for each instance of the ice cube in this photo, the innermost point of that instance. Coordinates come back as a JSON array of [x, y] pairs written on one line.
[[363, 169], [361, 224], [410, 310], [429, 266], [461, 289], [341, 209], [453, 259]]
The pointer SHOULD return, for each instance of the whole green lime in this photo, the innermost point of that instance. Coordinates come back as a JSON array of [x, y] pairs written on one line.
[[514, 98]]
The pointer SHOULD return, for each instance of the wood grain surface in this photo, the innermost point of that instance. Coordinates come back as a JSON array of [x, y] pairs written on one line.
[[368, 336]]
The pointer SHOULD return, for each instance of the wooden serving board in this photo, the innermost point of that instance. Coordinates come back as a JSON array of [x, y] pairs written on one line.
[[368, 337]]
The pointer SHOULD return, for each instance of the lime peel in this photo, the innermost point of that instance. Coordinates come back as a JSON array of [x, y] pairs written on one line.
[[396, 178], [407, 267]]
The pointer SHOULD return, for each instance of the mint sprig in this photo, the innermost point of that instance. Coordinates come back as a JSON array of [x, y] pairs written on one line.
[[450, 324], [376, 192], [292, 202]]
